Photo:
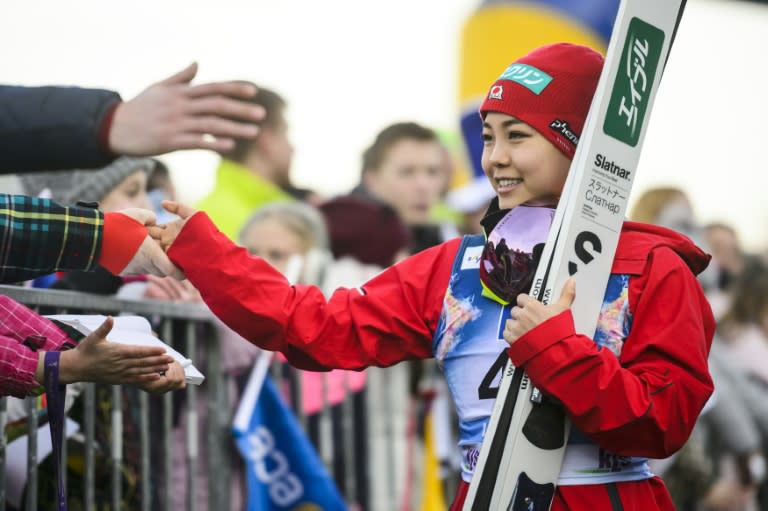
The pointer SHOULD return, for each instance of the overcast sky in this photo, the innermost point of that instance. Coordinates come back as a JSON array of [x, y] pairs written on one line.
[[349, 67]]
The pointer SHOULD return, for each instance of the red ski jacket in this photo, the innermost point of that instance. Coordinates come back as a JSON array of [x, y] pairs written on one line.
[[644, 403]]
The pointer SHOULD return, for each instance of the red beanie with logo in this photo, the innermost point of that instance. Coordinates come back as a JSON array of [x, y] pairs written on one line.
[[549, 89]]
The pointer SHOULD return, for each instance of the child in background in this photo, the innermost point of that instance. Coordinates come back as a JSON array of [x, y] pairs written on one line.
[[119, 185], [293, 238]]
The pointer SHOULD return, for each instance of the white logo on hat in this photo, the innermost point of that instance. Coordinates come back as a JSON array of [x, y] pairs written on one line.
[[496, 92]]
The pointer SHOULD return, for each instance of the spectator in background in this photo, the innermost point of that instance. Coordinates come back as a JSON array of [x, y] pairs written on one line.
[[408, 168], [735, 425], [670, 207], [364, 231], [404, 168], [255, 172], [744, 326], [728, 254], [722, 465], [742, 340], [281, 232], [294, 239]]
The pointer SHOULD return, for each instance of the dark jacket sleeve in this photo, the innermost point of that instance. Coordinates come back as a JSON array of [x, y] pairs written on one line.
[[39, 236], [49, 128]]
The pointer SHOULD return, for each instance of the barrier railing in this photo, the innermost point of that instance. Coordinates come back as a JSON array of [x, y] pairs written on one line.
[[187, 327]]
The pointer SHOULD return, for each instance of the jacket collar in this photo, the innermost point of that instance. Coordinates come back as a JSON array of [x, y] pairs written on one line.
[[492, 216]]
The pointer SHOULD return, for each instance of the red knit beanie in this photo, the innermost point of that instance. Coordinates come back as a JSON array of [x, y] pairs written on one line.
[[549, 89]]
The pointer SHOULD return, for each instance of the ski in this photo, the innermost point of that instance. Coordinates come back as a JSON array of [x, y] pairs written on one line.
[[525, 441]]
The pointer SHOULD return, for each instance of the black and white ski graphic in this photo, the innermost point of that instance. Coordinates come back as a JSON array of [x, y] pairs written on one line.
[[527, 434]]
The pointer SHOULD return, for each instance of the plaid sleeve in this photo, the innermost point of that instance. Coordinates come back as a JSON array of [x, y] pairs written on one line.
[[39, 236], [19, 326]]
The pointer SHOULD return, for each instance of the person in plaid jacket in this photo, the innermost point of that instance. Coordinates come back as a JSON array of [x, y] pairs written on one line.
[[39, 236]]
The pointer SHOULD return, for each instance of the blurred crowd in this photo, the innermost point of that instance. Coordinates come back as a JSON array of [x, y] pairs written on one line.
[[723, 465]]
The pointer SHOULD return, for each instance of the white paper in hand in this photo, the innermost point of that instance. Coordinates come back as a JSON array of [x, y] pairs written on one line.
[[133, 330]]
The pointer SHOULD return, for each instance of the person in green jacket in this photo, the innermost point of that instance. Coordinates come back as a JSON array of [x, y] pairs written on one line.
[[255, 172]]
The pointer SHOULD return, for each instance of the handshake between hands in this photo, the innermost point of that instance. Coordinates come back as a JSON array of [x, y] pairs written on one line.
[[151, 257]]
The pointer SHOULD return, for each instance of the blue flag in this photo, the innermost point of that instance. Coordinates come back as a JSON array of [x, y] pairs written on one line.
[[282, 468]]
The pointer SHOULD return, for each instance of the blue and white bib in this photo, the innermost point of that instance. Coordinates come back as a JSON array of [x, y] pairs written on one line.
[[471, 351]]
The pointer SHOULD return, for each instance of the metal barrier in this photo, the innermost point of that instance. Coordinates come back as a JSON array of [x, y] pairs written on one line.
[[180, 325]]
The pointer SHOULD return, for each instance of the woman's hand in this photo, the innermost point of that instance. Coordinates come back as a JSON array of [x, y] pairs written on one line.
[[529, 312]]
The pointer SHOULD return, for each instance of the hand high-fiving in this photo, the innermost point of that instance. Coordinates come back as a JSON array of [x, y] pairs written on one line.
[[529, 312], [173, 114]]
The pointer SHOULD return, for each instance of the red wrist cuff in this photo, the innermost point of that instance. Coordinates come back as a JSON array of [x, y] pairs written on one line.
[[106, 127], [122, 237]]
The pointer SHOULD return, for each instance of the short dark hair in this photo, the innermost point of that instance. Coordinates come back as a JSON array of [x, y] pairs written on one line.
[[274, 105], [391, 135]]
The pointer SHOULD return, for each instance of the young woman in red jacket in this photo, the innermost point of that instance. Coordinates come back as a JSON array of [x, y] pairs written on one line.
[[632, 392]]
